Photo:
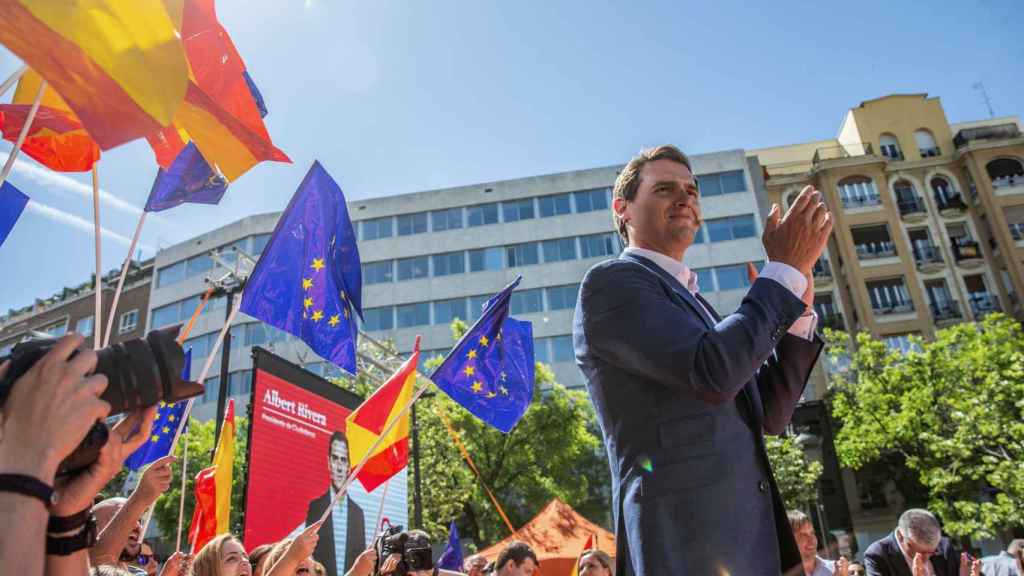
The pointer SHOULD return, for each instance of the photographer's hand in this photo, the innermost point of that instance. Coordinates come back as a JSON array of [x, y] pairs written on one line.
[[390, 564], [49, 410]]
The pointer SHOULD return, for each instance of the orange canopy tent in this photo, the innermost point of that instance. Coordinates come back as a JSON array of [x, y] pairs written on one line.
[[557, 535]]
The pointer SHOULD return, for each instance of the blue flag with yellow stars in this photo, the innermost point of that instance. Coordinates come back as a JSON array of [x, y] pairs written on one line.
[[188, 179], [165, 426], [308, 282], [490, 370]]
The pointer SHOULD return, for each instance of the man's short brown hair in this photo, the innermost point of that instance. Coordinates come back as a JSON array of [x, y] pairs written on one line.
[[628, 181], [517, 553]]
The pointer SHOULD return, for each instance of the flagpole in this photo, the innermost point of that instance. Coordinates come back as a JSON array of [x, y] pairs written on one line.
[[181, 503], [99, 271], [23, 134], [14, 77], [380, 510], [202, 378], [124, 274]]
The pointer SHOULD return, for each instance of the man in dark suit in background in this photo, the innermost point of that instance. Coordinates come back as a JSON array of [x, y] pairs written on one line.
[[917, 539], [684, 396], [353, 539]]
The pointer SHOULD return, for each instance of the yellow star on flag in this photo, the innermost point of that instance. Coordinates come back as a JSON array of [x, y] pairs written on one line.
[[154, 438], [163, 404], [334, 321], [477, 386], [307, 303], [504, 391], [307, 283], [170, 418], [318, 315], [318, 264], [165, 430], [503, 376], [491, 394], [483, 340], [468, 370], [471, 354]]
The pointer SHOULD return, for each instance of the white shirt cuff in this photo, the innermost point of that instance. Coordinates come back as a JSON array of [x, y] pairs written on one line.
[[795, 282]]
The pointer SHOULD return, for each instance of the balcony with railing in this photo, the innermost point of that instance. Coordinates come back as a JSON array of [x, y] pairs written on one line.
[[911, 209], [833, 320], [930, 152], [927, 257], [951, 203], [946, 312], [983, 303], [893, 307], [966, 251], [876, 250], [822, 271], [852, 150], [967, 136]]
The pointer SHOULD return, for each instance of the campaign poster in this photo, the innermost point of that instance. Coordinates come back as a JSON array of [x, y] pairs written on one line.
[[298, 458]]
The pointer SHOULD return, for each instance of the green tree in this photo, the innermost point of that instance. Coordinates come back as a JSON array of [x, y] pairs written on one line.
[[199, 438], [554, 451], [951, 411], [796, 474]]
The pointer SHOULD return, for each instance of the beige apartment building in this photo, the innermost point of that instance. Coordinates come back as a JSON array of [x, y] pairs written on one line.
[[929, 231]]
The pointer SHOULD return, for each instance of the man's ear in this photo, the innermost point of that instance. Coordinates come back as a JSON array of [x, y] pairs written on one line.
[[621, 207]]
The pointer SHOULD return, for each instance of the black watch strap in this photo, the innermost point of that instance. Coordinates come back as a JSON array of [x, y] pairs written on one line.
[[68, 545], [28, 486], [61, 524]]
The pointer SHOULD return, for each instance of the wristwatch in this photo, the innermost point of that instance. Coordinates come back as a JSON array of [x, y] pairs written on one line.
[[28, 486], [67, 545]]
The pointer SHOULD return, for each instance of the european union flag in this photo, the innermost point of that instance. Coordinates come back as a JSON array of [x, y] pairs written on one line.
[[308, 281], [12, 204], [165, 426], [490, 370], [451, 557], [190, 178]]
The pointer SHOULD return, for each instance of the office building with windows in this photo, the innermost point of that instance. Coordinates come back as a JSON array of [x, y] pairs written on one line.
[[929, 231], [430, 257]]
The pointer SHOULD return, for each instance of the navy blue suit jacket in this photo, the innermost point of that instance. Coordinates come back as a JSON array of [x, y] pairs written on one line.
[[884, 558], [683, 401]]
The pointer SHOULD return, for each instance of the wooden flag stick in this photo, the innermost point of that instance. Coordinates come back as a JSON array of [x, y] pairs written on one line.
[[14, 77], [124, 274], [97, 319], [23, 134]]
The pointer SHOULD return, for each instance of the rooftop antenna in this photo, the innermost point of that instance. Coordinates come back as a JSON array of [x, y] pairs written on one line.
[[980, 87]]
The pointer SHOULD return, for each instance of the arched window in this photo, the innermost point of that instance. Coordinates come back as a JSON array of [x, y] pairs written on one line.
[[926, 143], [1005, 172], [942, 189], [904, 190], [890, 147], [858, 191]]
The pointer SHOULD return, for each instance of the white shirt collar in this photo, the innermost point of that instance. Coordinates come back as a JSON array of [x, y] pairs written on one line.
[[674, 267]]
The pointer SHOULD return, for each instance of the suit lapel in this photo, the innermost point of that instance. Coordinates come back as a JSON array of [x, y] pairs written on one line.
[[678, 289]]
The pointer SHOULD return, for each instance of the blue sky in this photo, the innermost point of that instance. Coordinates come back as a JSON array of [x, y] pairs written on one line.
[[396, 97]]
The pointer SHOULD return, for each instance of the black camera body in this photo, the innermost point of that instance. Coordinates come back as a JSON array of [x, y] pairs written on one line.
[[413, 547], [140, 372]]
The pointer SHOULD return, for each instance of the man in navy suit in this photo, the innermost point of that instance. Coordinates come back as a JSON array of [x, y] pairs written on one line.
[[915, 547], [684, 396]]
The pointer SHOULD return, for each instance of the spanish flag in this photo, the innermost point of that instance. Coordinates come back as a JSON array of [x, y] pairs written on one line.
[[589, 545], [367, 423], [56, 138], [222, 112], [212, 515], [120, 66]]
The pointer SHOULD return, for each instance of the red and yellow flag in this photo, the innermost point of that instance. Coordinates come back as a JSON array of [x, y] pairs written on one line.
[[220, 112], [368, 422], [212, 515], [56, 138], [589, 545], [120, 66]]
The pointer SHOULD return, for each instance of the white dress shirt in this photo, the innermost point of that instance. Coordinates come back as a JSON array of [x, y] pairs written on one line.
[[784, 274]]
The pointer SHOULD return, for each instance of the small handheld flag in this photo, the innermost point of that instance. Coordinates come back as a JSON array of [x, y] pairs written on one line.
[[188, 179], [212, 515], [451, 557], [490, 371]]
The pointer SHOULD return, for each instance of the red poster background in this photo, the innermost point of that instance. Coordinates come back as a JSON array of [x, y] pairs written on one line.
[[287, 458]]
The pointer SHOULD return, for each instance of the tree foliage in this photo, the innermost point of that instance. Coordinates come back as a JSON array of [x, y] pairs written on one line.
[[951, 411], [796, 474]]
